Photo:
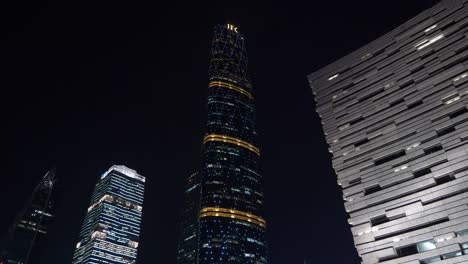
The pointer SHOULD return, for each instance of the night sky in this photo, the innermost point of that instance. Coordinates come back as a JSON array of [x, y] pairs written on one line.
[[88, 85]]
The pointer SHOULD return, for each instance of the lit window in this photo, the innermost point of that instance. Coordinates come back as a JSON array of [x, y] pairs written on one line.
[[344, 127], [404, 167], [427, 42], [460, 77], [452, 255], [430, 28], [367, 55], [333, 77], [413, 146], [465, 248], [463, 233], [426, 245], [451, 98]]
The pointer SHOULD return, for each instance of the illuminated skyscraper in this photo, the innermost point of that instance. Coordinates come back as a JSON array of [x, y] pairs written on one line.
[[25, 241], [231, 219], [111, 228], [395, 117]]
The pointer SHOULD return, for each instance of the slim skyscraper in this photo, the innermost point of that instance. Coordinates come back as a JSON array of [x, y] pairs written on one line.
[[231, 219], [111, 228], [395, 116], [25, 241], [188, 240]]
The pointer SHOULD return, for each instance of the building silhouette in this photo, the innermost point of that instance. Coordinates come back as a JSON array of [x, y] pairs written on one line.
[[231, 224], [25, 241], [111, 227], [395, 116], [188, 240]]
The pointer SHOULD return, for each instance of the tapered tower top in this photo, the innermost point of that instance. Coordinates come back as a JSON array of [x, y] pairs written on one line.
[[228, 55]]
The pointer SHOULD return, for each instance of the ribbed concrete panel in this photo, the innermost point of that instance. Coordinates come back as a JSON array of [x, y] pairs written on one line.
[[395, 116]]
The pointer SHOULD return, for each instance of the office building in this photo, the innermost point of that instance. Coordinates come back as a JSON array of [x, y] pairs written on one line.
[[188, 242], [111, 227], [25, 241], [394, 114]]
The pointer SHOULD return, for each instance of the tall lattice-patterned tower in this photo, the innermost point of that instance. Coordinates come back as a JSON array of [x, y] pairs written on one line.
[[231, 219]]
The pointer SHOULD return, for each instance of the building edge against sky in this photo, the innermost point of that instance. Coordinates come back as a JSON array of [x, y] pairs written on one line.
[[394, 114], [230, 222], [188, 239], [111, 228], [25, 241]]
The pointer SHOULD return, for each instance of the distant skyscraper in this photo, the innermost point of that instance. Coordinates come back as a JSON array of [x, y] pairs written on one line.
[[25, 241], [188, 240], [395, 116], [231, 220], [111, 228]]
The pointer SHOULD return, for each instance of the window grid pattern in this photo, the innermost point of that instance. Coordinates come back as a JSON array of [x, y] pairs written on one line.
[[111, 227], [394, 114], [231, 222]]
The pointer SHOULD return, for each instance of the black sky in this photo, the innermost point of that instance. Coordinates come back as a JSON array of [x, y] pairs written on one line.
[[88, 85]]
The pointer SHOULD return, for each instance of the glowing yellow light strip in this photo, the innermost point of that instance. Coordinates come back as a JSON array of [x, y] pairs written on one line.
[[231, 140], [232, 211], [223, 78], [230, 86], [234, 214]]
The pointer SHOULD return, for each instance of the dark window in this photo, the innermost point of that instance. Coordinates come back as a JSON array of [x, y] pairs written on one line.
[[391, 157], [399, 101], [444, 179], [445, 131], [433, 149], [395, 51], [341, 115], [407, 250], [459, 112], [417, 69], [413, 105], [361, 142], [380, 51], [406, 84], [422, 172], [379, 220], [356, 120], [449, 24], [426, 54], [372, 189], [355, 181]]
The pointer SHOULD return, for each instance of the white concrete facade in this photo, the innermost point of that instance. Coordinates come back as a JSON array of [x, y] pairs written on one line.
[[395, 116]]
